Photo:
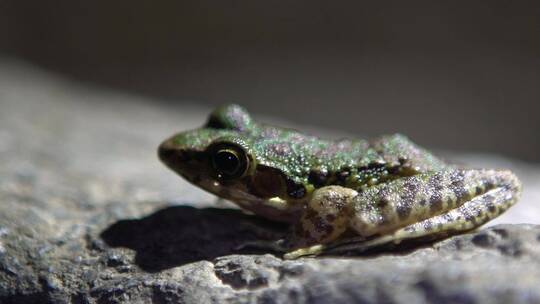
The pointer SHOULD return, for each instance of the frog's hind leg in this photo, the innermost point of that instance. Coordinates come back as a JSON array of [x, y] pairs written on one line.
[[496, 192]]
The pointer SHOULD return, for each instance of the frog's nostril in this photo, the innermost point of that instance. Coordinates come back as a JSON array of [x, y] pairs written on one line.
[[171, 155], [165, 154]]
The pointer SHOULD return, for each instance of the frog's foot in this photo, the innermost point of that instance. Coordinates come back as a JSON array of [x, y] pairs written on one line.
[[499, 190], [280, 245]]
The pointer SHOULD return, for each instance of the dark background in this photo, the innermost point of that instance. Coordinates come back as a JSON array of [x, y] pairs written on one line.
[[461, 75]]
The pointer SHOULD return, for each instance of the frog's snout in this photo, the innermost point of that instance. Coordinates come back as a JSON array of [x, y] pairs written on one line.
[[171, 155], [165, 153]]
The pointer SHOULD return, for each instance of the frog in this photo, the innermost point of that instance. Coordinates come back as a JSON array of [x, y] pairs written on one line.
[[336, 195]]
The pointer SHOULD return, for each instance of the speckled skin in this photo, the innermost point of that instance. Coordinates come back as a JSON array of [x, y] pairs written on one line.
[[385, 190]]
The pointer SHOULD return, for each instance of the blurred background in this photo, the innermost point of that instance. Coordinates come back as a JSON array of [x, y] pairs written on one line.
[[457, 75]]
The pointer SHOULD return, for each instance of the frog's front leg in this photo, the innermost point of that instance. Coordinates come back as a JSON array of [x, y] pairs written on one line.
[[324, 219]]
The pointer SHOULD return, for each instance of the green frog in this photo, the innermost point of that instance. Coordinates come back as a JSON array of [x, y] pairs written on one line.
[[338, 195]]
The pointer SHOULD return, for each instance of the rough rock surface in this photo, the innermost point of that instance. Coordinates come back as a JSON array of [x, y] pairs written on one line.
[[88, 215]]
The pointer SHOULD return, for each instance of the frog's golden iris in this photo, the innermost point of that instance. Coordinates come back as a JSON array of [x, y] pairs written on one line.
[[228, 160]]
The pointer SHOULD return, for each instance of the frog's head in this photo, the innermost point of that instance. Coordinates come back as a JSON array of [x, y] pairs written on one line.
[[221, 157], [219, 150]]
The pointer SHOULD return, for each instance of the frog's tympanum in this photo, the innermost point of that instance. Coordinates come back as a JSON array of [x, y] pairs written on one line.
[[337, 194]]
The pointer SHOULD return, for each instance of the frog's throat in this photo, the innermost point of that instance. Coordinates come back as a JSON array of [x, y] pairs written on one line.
[[274, 208]]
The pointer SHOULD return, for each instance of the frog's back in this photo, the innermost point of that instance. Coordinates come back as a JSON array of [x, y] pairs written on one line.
[[386, 158], [398, 150], [315, 162]]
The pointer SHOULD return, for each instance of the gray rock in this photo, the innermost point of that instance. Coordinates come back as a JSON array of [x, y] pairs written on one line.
[[89, 215]]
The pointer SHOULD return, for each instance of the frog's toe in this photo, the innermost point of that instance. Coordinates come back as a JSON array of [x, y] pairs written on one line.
[[282, 246], [276, 246], [360, 244], [306, 251]]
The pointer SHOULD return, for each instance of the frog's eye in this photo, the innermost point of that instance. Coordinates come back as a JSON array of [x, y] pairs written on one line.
[[229, 161]]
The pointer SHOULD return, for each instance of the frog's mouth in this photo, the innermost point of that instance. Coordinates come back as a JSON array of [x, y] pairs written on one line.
[[194, 167]]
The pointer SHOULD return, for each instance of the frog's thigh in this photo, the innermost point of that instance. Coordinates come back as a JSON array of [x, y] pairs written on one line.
[[493, 192], [325, 217], [390, 206]]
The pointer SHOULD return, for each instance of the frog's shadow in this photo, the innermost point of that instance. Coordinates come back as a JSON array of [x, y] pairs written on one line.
[[178, 235]]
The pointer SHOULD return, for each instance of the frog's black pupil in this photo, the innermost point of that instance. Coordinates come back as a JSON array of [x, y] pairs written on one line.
[[227, 162]]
